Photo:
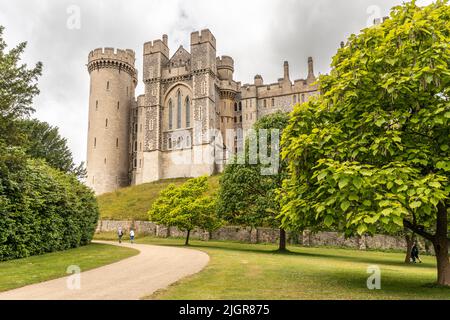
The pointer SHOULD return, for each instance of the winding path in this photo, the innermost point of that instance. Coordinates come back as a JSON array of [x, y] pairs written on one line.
[[155, 267]]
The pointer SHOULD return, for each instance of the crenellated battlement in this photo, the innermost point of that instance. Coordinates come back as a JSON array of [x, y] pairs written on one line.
[[157, 46], [225, 62], [127, 56], [203, 36], [112, 58]]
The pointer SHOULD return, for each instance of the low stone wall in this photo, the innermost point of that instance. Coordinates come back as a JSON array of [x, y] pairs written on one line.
[[260, 235]]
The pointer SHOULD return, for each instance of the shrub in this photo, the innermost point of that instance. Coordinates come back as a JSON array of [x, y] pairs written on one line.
[[41, 209]]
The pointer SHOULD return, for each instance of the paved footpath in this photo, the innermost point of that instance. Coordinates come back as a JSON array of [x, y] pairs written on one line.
[[155, 267]]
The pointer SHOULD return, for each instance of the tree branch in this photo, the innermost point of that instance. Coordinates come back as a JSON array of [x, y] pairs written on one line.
[[420, 230]]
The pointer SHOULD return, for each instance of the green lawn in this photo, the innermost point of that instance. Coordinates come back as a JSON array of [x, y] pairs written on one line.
[[22, 272], [133, 203], [249, 271]]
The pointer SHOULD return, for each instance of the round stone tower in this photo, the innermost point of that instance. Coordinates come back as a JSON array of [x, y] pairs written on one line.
[[112, 95], [229, 107], [225, 68]]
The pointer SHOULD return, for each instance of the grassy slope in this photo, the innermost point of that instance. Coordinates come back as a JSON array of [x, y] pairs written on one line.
[[249, 271], [133, 203], [22, 272]]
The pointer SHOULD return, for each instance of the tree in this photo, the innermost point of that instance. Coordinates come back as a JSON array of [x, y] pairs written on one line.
[[44, 142], [373, 150], [246, 196], [186, 207], [18, 87]]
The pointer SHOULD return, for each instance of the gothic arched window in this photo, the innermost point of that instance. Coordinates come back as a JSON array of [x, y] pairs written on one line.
[[179, 110], [170, 115], [188, 112]]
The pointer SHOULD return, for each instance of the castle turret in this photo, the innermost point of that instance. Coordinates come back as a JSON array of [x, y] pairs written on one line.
[[258, 80], [112, 94], [225, 68]]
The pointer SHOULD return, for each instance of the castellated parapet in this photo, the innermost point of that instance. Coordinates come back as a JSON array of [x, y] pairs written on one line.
[[171, 130], [111, 58], [203, 36], [157, 46]]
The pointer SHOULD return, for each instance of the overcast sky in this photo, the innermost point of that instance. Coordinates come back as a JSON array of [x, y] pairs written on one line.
[[258, 34]]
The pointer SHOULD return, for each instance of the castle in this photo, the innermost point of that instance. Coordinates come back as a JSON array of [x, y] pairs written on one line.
[[191, 118]]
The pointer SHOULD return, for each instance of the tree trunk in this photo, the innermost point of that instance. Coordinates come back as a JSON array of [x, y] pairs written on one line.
[[187, 238], [282, 246], [409, 244], [440, 244]]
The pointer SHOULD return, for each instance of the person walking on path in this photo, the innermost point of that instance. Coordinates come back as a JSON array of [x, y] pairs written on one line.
[[131, 235], [415, 253], [120, 234]]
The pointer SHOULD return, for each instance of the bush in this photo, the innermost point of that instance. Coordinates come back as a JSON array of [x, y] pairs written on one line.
[[41, 209]]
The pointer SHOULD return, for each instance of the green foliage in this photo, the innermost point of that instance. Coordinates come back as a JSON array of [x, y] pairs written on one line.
[[41, 209], [186, 207], [246, 197], [134, 202], [18, 87], [372, 151], [44, 142]]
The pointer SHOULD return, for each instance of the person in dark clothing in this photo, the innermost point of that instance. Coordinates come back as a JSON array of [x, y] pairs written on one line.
[[415, 253], [120, 234]]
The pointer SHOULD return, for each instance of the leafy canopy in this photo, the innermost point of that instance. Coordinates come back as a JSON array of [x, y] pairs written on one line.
[[44, 142], [373, 149], [18, 87], [247, 197], [186, 207]]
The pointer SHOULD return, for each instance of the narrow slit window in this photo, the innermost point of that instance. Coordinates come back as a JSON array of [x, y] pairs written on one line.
[[170, 115], [188, 112], [179, 110]]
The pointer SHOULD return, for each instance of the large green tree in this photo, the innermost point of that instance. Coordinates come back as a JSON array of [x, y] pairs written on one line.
[[18, 87], [44, 142], [373, 151], [247, 196], [186, 207]]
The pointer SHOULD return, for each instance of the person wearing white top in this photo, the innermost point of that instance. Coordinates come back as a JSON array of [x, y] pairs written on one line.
[[132, 235]]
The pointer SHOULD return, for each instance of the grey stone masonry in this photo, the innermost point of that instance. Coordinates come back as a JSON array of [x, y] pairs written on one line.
[[262, 235]]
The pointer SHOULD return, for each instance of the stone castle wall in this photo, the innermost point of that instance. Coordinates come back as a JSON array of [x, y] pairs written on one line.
[[262, 235]]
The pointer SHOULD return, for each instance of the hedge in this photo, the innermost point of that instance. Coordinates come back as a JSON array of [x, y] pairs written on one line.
[[41, 209]]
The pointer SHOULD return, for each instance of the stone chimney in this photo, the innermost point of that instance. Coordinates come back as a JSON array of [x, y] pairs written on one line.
[[286, 70], [310, 68], [165, 39]]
